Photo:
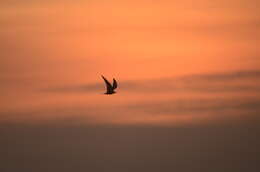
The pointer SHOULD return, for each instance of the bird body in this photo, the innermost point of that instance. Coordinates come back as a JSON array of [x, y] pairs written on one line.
[[110, 88]]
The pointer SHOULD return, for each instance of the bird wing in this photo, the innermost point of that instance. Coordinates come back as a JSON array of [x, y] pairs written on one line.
[[108, 85], [114, 84]]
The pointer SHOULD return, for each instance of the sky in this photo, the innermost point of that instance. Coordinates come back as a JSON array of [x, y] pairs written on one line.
[[188, 75]]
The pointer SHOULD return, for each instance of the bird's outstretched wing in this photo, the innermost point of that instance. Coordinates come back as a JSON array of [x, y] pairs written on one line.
[[108, 85], [114, 84]]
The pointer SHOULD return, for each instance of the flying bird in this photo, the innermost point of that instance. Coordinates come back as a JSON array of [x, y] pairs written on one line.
[[110, 88]]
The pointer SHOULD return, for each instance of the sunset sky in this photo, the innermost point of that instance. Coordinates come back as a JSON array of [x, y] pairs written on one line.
[[47, 44], [178, 64]]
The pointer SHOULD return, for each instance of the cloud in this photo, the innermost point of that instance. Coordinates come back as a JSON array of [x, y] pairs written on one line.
[[215, 82], [198, 106], [143, 111], [78, 88], [237, 75]]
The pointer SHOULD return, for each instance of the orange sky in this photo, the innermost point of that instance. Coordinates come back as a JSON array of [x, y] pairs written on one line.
[[52, 43], [164, 37]]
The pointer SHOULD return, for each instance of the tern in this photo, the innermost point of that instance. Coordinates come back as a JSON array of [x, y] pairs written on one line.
[[110, 88]]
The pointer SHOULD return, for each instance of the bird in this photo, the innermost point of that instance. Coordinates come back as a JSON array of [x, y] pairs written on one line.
[[110, 88]]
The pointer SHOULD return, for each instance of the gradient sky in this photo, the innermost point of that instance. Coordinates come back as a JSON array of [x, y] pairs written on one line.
[[60, 44], [188, 96], [79, 39], [48, 44]]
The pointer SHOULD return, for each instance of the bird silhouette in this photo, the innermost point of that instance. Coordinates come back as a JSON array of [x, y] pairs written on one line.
[[110, 88]]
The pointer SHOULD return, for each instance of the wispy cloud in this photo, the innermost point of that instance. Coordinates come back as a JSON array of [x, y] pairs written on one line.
[[228, 76], [197, 106], [140, 111], [215, 82]]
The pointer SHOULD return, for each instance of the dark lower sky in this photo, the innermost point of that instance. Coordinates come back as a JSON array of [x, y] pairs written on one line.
[[200, 148]]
